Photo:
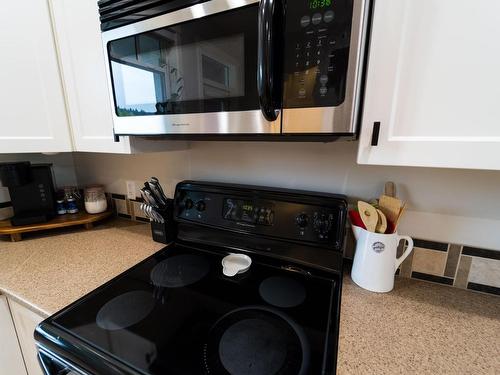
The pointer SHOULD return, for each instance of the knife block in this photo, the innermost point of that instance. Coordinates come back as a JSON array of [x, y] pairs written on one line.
[[165, 232]]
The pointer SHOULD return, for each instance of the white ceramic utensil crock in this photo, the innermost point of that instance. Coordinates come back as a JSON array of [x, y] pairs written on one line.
[[375, 261]]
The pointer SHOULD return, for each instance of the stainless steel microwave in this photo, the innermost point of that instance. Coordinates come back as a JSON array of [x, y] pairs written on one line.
[[234, 67]]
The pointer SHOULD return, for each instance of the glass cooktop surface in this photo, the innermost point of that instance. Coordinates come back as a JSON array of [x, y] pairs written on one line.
[[176, 313]]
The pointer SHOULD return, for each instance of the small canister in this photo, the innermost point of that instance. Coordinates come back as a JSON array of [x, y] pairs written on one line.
[[71, 207], [95, 199], [61, 209]]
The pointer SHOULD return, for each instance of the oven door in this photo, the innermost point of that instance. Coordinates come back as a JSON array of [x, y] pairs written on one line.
[[192, 71]]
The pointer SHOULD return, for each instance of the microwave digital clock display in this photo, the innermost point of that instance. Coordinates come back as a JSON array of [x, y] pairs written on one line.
[[319, 4]]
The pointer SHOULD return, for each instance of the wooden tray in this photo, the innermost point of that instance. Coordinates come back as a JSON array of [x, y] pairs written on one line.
[[67, 220]]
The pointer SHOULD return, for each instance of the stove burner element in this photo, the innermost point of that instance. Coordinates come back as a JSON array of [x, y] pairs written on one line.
[[256, 340], [247, 340], [282, 291], [179, 271], [125, 310]]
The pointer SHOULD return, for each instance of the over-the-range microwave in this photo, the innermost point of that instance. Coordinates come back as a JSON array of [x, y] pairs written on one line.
[[275, 68]]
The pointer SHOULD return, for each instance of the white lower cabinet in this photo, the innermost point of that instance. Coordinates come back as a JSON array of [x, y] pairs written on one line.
[[25, 322], [11, 359]]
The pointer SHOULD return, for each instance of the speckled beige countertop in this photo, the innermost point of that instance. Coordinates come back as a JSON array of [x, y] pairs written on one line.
[[47, 271], [418, 328]]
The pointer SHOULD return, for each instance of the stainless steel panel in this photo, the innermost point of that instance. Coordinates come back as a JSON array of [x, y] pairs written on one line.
[[343, 118], [242, 122], [182, 15]]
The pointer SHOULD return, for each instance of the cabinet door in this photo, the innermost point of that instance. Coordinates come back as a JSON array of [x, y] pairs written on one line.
[[25, 322], [433, 85], [32, 109], [11, 359], [82, 60]]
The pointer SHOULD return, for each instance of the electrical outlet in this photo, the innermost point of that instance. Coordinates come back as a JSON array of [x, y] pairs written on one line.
[[130, 189]]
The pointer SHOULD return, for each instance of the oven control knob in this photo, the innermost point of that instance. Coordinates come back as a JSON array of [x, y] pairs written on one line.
[[200, 206], [188, 204], [302, 220], [322, 225]]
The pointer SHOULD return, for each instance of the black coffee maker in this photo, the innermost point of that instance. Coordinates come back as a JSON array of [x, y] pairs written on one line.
[[31, 190]]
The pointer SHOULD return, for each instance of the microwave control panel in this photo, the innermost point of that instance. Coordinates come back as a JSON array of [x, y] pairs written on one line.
[[316, 52]]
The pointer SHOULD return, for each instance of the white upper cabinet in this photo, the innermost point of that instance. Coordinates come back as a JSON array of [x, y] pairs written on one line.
[[79, 45], [32, 109], [433, 85]]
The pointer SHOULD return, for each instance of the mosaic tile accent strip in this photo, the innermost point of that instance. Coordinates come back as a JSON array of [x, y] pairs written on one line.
[[127, 208], [455, 265], [440, 246], [483, 253], [463, 272], [461, 266], [433, 278], [452, 260], [427, 261]]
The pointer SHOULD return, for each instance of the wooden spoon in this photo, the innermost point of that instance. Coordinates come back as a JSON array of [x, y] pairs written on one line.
[[368, 215], [382, 222]]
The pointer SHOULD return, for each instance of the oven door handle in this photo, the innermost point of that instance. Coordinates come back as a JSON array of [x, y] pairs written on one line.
[[270, 57]]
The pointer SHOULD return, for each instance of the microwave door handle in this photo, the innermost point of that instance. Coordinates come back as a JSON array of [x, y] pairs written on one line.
[[270, 57]]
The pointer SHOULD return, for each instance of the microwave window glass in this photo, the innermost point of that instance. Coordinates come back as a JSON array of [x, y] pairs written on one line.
[[206, 65]]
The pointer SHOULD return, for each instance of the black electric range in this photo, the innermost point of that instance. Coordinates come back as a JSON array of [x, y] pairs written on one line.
[[177, 313]]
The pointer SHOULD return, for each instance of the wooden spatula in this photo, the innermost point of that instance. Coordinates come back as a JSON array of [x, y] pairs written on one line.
[[390, 189], [396, 222], [368, 215], [390, 207]]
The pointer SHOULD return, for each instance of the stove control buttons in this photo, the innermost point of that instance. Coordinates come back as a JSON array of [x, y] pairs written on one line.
[[200, 206], [322, 225], [302, 220]]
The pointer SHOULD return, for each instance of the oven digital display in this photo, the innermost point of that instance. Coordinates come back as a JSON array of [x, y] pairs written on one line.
[[247, 211]]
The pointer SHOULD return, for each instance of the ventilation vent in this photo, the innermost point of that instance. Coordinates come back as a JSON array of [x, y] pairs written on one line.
[[115, 13]]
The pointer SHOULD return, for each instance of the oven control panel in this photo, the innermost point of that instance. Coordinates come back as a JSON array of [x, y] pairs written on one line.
[[316, 52], [282, 215]]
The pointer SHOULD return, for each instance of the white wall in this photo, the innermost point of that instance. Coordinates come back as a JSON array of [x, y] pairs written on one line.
[[450, 205], [332, 167], [112, 170], [453, 205]]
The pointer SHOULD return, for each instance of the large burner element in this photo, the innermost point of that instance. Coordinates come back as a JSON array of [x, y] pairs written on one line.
[[125, 310], [282, 291], [256, 340], [179, 271]]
